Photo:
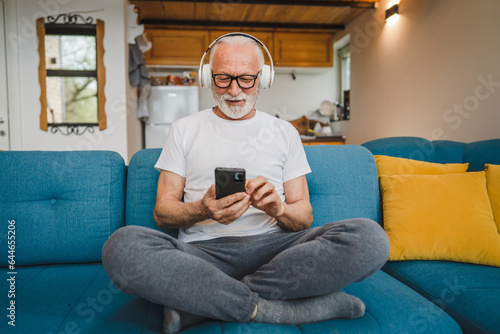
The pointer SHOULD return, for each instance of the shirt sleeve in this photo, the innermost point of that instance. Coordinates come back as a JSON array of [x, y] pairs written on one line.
[[172, 156], [296, 162]]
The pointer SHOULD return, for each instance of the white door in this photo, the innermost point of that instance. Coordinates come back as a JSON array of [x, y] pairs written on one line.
[[4, 111]]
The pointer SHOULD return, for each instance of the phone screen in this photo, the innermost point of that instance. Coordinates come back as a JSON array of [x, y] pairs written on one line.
[[229, 181]]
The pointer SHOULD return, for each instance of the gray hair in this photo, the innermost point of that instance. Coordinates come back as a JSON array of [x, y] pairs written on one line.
[[239, 40]]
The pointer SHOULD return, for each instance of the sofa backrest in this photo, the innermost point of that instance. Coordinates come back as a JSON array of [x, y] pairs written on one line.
[[62, 205], [142, 182], [441, 151], [418, 149], [343, 184], [482, 152]]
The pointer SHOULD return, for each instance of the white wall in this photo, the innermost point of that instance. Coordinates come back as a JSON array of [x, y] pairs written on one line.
[[428, 74], [112, 12]]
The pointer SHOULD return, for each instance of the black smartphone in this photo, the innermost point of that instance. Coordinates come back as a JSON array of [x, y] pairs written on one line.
[[229, 181]]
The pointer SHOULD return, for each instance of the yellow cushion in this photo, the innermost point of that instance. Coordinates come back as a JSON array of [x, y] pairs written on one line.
[[440, 217], [400, 166], [493, 182]]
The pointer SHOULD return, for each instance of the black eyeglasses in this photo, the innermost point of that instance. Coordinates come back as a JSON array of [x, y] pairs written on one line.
[[245, 81]]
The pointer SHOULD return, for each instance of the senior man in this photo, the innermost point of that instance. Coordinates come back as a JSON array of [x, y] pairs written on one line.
[[250, 256]]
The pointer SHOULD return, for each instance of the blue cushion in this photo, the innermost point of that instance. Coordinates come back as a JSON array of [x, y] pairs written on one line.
[[469, 293], [142, 182], [64, 204], [482, 152], [403, 147], [391, 307], [80, 298], [75, 299], [343, 183]]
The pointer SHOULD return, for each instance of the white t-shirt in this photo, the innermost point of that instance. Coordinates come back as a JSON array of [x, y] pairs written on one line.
[[263, 145]]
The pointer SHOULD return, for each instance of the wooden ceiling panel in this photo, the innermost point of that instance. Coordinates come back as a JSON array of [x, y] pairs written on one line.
[[150, 10], [318, 15], [276, 14], [349, 15], [201, 11], [179, 10], [289, 13], [217, 11]]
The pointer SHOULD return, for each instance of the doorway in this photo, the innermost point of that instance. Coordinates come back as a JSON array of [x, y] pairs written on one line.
[[4, 110]]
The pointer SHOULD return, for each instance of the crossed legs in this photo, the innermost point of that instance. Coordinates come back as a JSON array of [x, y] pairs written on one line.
[[227, 278]]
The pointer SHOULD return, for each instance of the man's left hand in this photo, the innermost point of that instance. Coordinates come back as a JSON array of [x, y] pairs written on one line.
[[264, 196]]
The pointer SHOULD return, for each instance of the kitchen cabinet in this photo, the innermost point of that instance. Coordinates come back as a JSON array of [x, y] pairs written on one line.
[[303, 49], [289, 49], [265, 37], [176, 47]]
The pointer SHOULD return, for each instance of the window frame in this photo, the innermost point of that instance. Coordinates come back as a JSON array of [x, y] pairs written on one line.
[[70, 27]]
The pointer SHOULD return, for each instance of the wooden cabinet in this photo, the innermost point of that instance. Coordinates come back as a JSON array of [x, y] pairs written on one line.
[[176, 47], [265, 37], [288, 49], [303, 49]]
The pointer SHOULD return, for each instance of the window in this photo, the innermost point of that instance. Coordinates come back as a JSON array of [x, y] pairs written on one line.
[[71, 74]]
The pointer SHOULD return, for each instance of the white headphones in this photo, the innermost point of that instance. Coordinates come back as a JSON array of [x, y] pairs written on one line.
[[205, 71]]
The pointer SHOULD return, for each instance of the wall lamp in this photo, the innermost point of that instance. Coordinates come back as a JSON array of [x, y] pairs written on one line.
[[392, 14]]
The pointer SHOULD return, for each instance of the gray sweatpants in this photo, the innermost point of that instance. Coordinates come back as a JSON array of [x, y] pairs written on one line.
[[223, 278]]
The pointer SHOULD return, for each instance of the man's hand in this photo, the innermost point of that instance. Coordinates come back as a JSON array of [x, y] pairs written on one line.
[[227, 209], [264, 196]]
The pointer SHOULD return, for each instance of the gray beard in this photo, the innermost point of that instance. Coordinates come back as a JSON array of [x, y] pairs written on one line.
[[236, 112]]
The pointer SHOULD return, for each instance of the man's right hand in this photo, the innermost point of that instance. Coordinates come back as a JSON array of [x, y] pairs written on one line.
[[227, 209]]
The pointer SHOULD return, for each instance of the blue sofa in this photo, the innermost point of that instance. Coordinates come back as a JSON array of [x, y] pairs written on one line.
[[470, 293], [62, 206]]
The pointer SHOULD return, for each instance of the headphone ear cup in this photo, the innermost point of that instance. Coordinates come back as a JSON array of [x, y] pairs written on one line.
[[266, 77], [205, 75]]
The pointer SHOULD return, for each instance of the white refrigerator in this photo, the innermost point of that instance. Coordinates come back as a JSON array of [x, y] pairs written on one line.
[[167, 104]]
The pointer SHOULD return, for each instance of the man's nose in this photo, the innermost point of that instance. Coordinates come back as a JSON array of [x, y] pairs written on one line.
[[234, 89]]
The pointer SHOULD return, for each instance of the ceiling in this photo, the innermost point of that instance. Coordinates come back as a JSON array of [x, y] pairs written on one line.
[[278, 14]]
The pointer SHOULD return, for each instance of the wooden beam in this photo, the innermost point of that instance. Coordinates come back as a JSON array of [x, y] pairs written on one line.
[[318, 3], [243, 24]]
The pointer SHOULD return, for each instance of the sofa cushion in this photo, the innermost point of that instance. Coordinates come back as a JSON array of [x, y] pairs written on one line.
[[387, 165], [483, 152], [81, 299], [343, 183], [493, 184], [64, 204], [440, 217], [75, 299], [391, 307], [469, 293]]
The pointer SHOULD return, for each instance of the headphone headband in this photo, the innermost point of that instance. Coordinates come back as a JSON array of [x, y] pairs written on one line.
[[205, 78]]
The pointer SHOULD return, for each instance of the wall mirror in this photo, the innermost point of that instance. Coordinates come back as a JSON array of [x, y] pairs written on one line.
[[71, 74]]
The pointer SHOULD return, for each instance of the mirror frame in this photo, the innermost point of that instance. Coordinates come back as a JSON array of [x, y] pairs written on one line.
[[69, 23]]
